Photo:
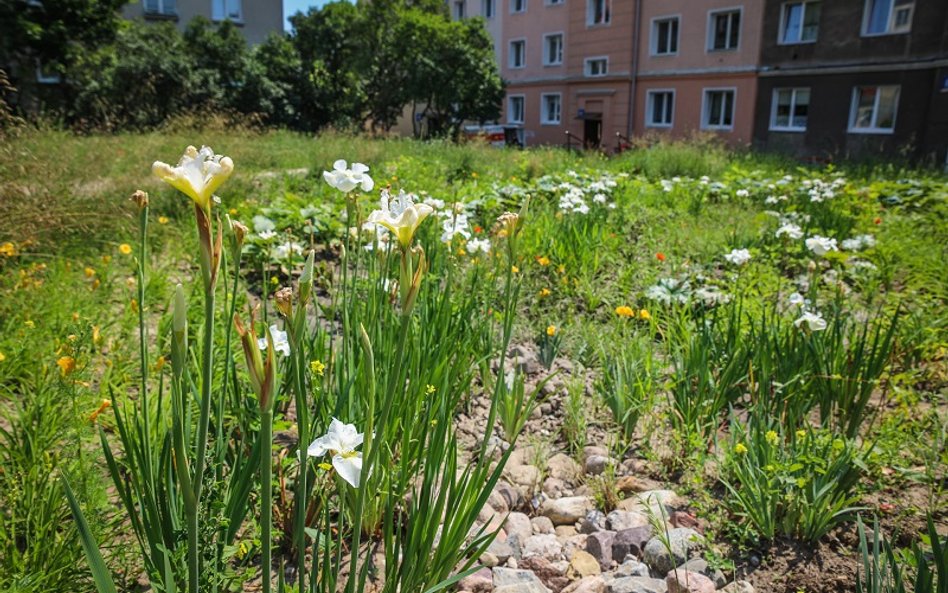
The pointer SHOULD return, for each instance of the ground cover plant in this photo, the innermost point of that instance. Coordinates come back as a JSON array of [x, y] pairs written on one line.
[[334, 363]]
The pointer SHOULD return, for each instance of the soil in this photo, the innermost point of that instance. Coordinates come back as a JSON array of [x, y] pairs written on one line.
[[791, 567]]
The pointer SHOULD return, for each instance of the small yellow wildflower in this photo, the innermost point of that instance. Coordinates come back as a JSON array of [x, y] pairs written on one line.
[[561, 269], [801, 434], [96, 336], [75, 316], [801, 482], [551, 330], [274, 280], [325, 467], [8, 249], [430, 389], [134, 305], [72, 338], [106, 259], [625, 311], [160, 363], [125, 249], [29, 323], [394, 177], [740, 449], [515, 269], [644, 314], [317, 367], [89, 272], [95, 284], [543, 260], [474, 174], [67, 365], [771, 437], [232, 212], [162, 220], [544, 292], [2, 356]]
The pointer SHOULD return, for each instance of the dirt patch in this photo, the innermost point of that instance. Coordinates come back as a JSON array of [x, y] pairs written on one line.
[[790, 567]]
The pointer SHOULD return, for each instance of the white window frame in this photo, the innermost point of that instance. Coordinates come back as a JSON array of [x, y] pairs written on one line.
[[493, 9], [649, 119], [459, 14], [165, 8], [793, 103], [705, 105], [587, 70], [544, 120], [220, 11], [546, 38], [653, 36], [45, 77], [854, 104], [510, 53], [890, 25], [554, 2], [591, 12], [781, 32], [523, 109], [709, 46], [513, 4]]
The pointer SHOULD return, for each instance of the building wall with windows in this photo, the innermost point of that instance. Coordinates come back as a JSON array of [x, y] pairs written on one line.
[[490, 11], [255, 18]]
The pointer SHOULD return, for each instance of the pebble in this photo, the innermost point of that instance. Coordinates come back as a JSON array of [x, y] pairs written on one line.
[[566, 511], [519, 525], [619, 520], [481, 581], [583, 564], [541, 525], [593, 521], [593, 584], [685, 581], [738, 587], [596, 464], [522, 581], [700, 565], [599, 544], [545, 545], [563, 467], [632, 568], [630, 541], [681, 542], [636, 585]]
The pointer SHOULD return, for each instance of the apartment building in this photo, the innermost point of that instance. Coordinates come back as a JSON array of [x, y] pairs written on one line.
[[486, 9], [255, 18], [854, 78]]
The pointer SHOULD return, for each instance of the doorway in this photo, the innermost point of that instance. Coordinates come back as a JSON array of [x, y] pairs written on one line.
[[592, 132]]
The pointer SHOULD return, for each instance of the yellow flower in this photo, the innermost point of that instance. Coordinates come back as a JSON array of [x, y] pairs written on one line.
[[801, 434], [2, 356], [544, 292], [317, 367], [543, 260], [551, 330], [198, 174], [125, 249], [96, 336], [401, 215], [89, 272], [102, 407], [740, 449], [106, 259], [474, 174], [644, 314], [29, 323], [75, 316], [232, 212], [162, 220], [134, 305], [771, 437], [515, 269], [8, 249], [625, 311], [160, 363], [95, 284], [67, 365], [430, 389], [325, 467], [561, 269]]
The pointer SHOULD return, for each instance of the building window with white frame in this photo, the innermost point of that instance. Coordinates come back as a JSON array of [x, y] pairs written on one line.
[[160, 7], [598, 66], [46, 75], [550, 108], [665, 36], [660, 108], [518, 6], [718, 110], [554, 2], [598, 12], [791, 108], [458, 9], [518, 53], [487, 8], [887, 17], [222, 10], [515, 109], [553, 49], [799, 22], [724, 29], [873, 109]]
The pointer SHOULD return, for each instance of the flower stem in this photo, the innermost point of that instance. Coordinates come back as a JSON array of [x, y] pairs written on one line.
[[266, 492]]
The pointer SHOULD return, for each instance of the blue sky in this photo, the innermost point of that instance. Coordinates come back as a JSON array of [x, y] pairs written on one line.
[[290, 7]]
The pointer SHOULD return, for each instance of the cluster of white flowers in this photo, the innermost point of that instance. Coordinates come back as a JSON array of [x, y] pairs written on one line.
[[859, 242], [820, 245], [738, 257], [742, 193], [811, 320], [819, 190], [669, 290], [345, 179], [790, 230], [711, 296], [574, 196]]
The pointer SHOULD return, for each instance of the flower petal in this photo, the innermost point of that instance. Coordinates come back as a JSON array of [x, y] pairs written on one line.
[[339, 165], [349, 468]]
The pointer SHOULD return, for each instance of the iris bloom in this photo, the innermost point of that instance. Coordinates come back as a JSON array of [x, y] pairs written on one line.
[[346, 180], [401, 216], [821, 245], [198, 175], [738, 257], [340, 441], [281, 343], [813, 321]]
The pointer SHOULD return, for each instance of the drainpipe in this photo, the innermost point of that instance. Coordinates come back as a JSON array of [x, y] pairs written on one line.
[[635, 66]]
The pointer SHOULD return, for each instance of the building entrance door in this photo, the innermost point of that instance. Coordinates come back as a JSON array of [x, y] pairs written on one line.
[[592, 132]]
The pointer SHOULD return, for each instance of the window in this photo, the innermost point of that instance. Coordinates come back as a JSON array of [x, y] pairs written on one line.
[[46, 75], [724, 30], [660, 106], [487, 8], [162, 7], [518, 53], [665, 36], [598, 12], [873, 109], [459, 9], [718, 111], [518, 5], [553, 49], [550, 109], [515, 107], [799, 22], [790, 110], [554, 2], [596, 66], [885, 17], [226, 9]]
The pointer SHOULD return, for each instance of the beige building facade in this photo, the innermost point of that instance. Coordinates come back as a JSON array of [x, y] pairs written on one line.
[[256, 19]]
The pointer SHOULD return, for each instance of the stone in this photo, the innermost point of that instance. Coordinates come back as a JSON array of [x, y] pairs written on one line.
[[497, 502], [684, 519], [665, 497], [541, 525], [523, 475], [502, 550], [594, 521], [551, 575], [685, 581], [701, 566], [593, 584], [563, 467], [481, 581], [596, 464], [629, 484], [566, 511], [510, 494], [636, 585], [577, 542], [583, 564], [630, 541], [555, 488], [564, 531], [518, 524], [590, 450], [599, 544], [619, 520], [632, 568], [524, 581], [545, 545], [738, 587], [489, 560], [681, 542]]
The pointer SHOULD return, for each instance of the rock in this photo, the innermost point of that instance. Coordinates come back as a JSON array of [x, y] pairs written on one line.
[[593, 584], [599, 544], [555, 488], [502, 550], [518, 581], [545, 545], [619, 520], [636, 585], [489, 560], [684, 519], [596, 464], [685, 581], [523, 475], [590, 450], [541, 525], [632, 568], [630, 541], [518, 524], [563, 467], [572, 544], [566, 511], [665, 497], [701, 566], [738, 587], [564, 531], [510, 494], [497, 502], [681, 541], [583, 564], [481, 581], [551, 575], [593, 521], [627, 484]]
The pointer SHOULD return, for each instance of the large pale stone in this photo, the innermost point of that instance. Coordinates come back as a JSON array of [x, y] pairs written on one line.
[[566, 511]]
